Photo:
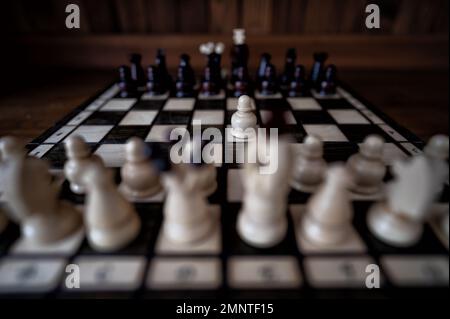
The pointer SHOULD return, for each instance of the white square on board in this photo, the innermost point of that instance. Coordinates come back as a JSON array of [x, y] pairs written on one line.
[[92, 133], [327, 132], [161, 133], [303, 103], [179, 104], [215, 117], [112, 154], [118, 105], [139, 118], [348, 117]]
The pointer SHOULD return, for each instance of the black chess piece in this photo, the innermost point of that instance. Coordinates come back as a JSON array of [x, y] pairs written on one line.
[[317, 69], [155, 82], [126, 85], [289, 68], [137, 72], [297, 86], [185, 78], [239, 58], [263, 63], [241, 83], [210, 84], [161, 68], [269, 81], [328, 85]]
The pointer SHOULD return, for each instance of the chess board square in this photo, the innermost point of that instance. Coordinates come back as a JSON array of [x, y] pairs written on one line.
[[210, 104], [59, 134], [161, 133], [335, 104], [79, 118], [110, 273], [348, 117], [179, 104], [328, 133], [152, 97], [313, 117], [357, 133], [121, 134], [112, 154], [303, 103], [274, 96], [173, 117], [148, 105], [104, 118], [184, 273], [30, 275], [338, 151], [204, 117], [118, 105], [40, 150], [139, 118], [92, 133], [232, 103], [288, 117], [272, 103]]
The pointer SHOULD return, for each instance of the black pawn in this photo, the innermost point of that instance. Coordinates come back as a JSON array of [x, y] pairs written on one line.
[[328, 85], [126, 85], [161, 68], [263, 63], [297, 86], [185, 78], [242, 82], [317, 69], [289, 68], [269, 81], [155, 83], [137, 72], [210, 83], [239, 58]]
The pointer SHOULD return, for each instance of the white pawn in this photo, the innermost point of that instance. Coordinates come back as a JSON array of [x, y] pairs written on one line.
[[417, 183], [79, 157], [310, 167], [262, 221], [329, 213], [31, 197], [140, 179], [243, 121], [367, 168], [111, 220], [187, 218]]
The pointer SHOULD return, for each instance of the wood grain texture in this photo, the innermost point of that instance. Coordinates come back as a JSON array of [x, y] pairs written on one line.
[[193, 16], [131, 15], [351, 52], [416, 100], [223, 16], [162, 16], [257, 16]]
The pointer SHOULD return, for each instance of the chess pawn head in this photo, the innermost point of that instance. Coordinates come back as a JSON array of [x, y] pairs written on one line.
[[238, 36], [310, 166], [437, 147], [76, 147], [367, 168], [243, 119], [139, 177]]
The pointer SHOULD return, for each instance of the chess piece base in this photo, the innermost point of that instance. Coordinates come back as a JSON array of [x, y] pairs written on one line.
[[392, 228], [261, 235], [181, 233], [323, 235], [107, 240]]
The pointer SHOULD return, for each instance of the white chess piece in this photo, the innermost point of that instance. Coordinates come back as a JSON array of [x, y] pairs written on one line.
[[111, 220], [219, 48], [310, 167], [417, 183], [140, 179], [238, 36], [367, 168], [262, 221], [187, 218], [329, 212], [31, 197], [79, 157], [243, 121]]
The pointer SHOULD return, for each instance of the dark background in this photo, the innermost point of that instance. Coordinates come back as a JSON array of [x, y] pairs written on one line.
[[48, 69]]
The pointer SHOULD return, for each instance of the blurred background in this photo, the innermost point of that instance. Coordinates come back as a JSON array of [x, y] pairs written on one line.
[[401, 67]]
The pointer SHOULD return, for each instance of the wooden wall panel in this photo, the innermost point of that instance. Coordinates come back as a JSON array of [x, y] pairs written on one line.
[[132, 16], [257, 16], [223, 16], [161, 16], [193, 16]]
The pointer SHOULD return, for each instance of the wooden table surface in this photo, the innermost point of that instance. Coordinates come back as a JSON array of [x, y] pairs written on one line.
[[417, 100]]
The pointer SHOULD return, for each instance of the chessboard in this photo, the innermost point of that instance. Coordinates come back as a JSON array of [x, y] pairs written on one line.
[[225, 266]]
